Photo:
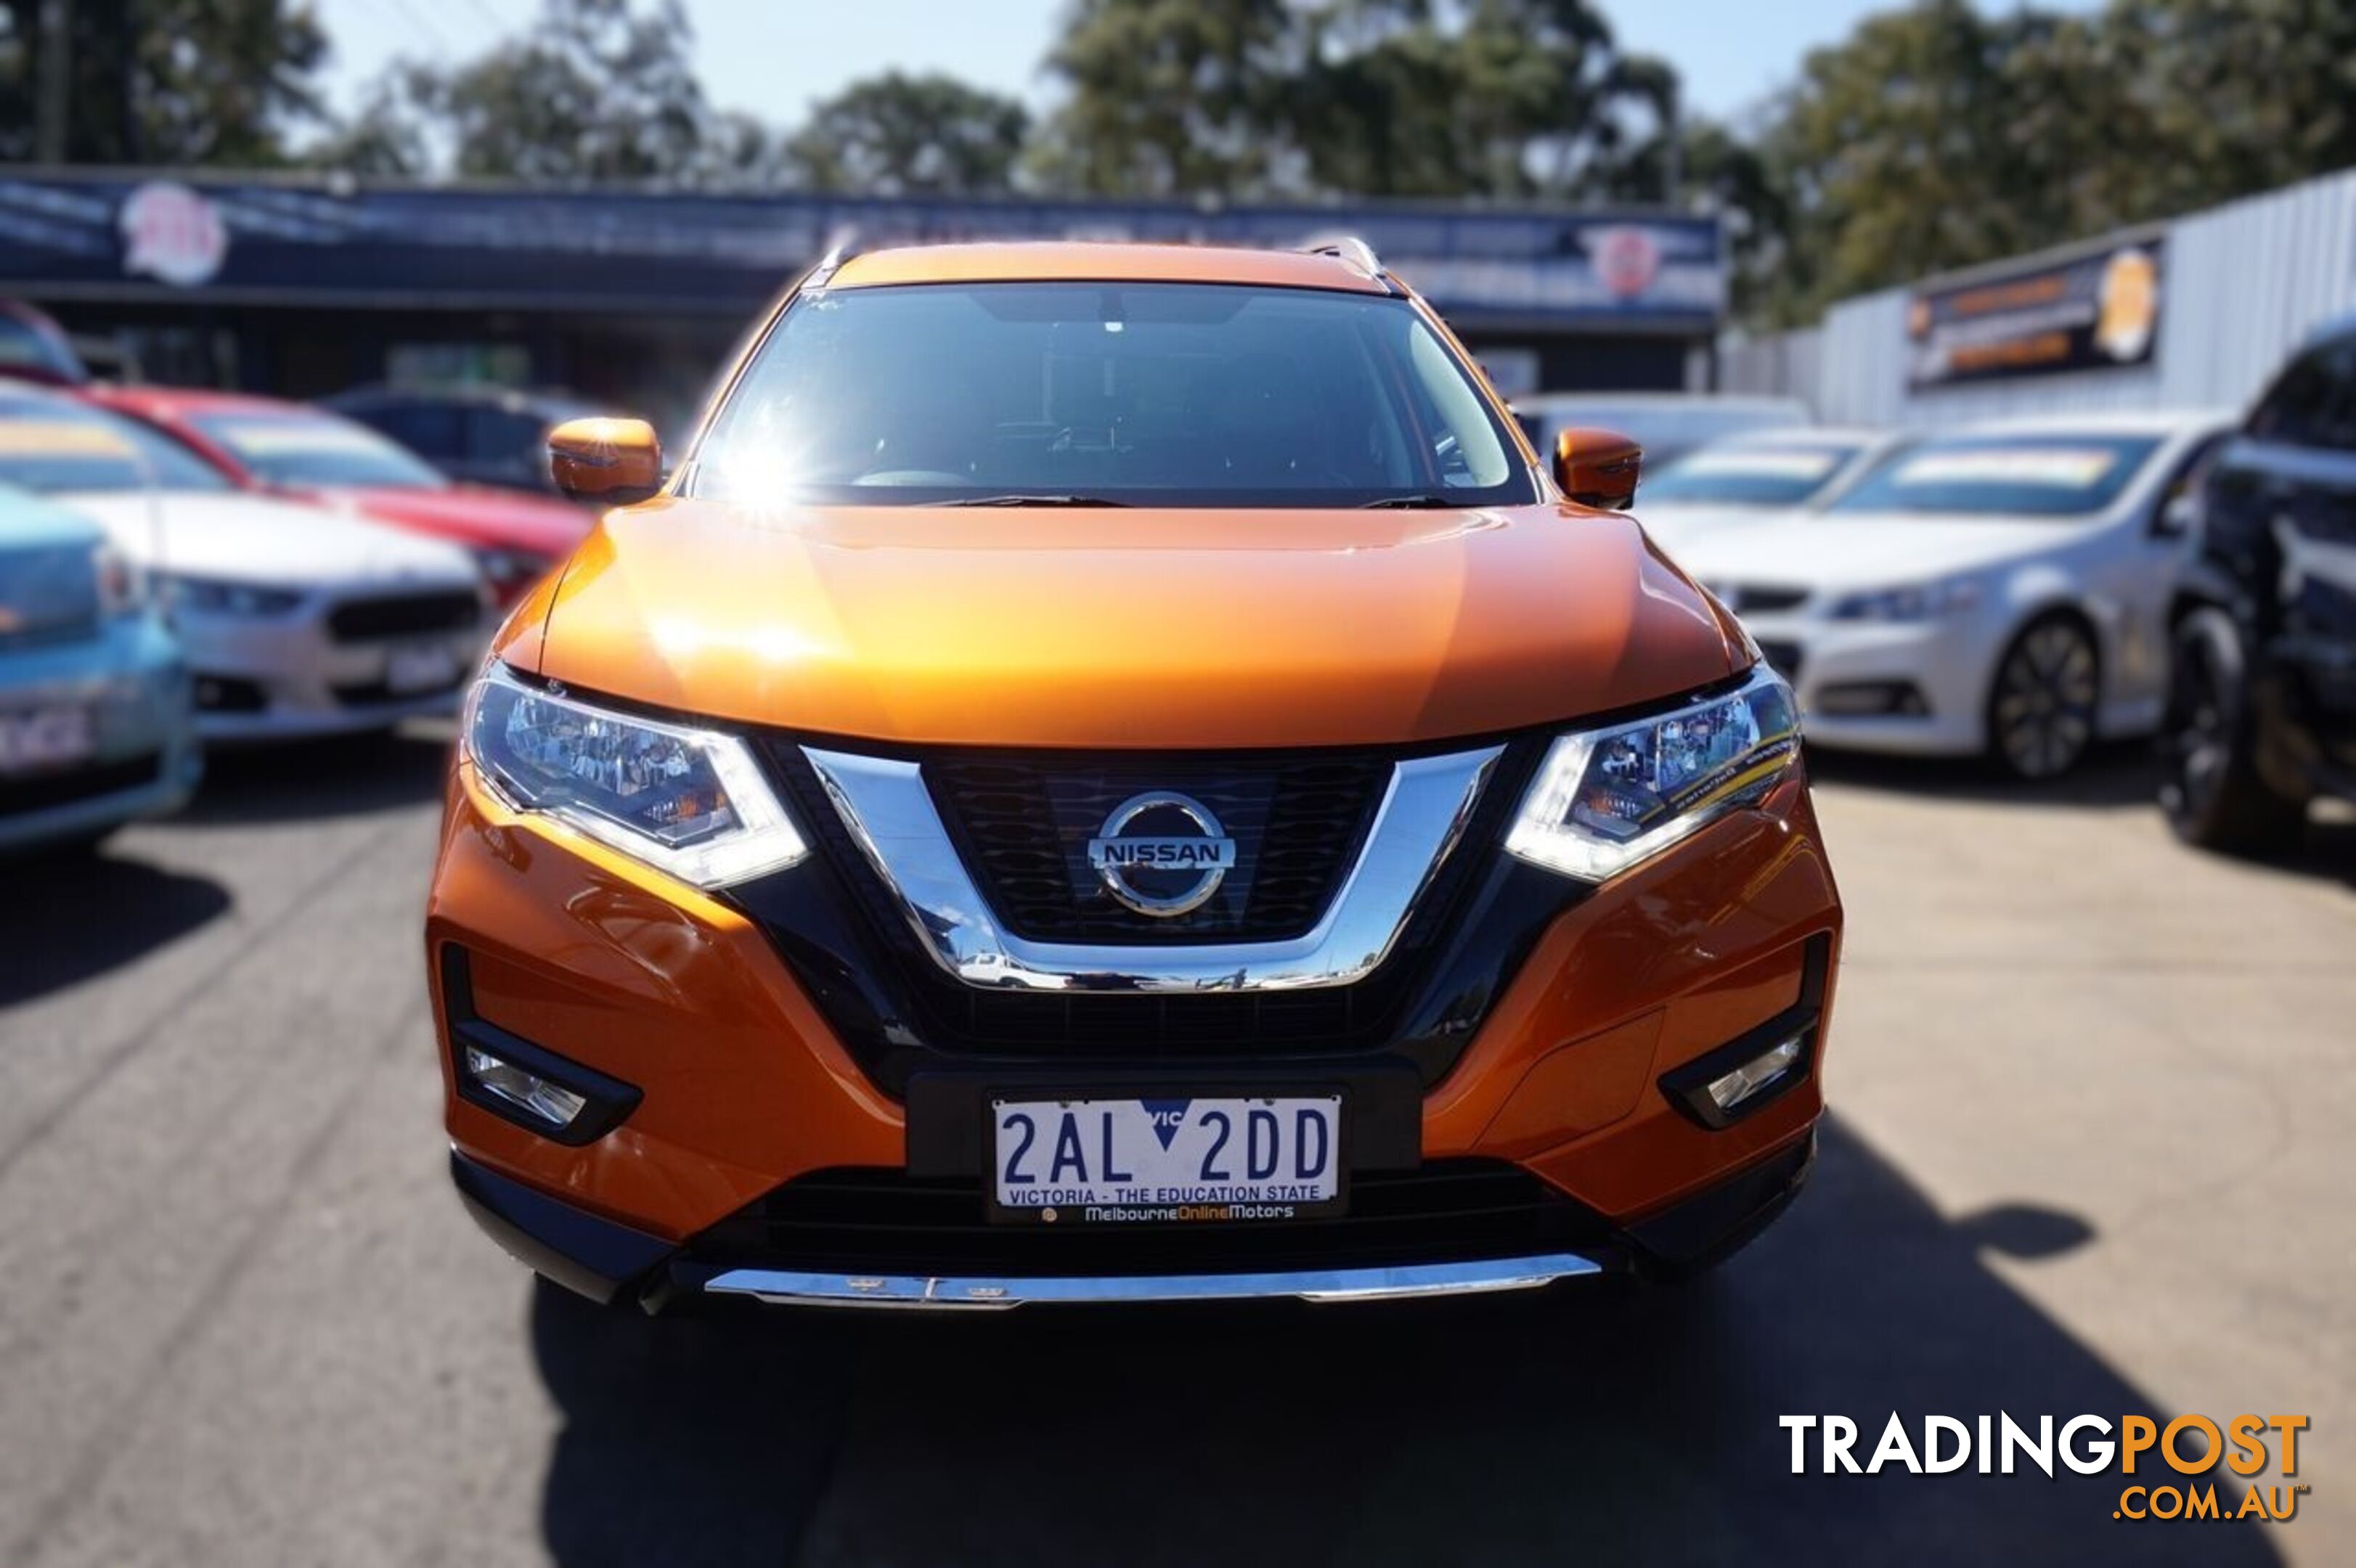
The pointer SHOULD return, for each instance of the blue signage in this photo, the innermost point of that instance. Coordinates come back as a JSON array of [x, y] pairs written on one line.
[[321, 241]]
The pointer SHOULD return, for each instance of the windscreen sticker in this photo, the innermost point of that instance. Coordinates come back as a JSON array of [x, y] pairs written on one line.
[[2061, 468], [60, 438], [269, 438], [1763, 463]]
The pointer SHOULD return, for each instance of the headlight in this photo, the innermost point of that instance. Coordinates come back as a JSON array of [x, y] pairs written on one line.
[[1924, 602], [1605, 799], [689, 801], [212, 596], [121, 587]]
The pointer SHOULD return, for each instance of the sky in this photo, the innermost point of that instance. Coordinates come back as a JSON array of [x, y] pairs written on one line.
[[775, 58]]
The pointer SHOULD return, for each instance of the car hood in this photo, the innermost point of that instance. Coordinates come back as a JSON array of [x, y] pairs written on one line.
[[473, 515], [1869, 550], [1133, 628], [245, 537]]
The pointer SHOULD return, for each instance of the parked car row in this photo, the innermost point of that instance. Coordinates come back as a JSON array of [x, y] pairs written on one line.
[[2022, 589], [179, 569]]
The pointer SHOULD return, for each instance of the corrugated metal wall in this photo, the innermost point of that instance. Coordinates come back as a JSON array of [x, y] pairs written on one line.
[[2243, 285]]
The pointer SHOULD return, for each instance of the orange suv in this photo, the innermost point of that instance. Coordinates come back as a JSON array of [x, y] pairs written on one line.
[[1115, 772]]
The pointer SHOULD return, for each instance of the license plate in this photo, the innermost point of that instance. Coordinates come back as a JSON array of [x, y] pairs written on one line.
[[45, 738], [1119, 1161], [426, 669]]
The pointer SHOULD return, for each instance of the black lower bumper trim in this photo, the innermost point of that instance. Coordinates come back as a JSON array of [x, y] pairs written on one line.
[[602, 1260], [577, 1250], [1718, 1222]]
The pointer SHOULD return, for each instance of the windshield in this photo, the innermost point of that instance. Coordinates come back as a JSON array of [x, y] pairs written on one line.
[[1146, 394], [1751, 476], [32, 347], [2011, 476], [295, 448], [52, 446]]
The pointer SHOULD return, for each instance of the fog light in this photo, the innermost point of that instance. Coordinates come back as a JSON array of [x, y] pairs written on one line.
[[1756, 1073], [554, 1106]]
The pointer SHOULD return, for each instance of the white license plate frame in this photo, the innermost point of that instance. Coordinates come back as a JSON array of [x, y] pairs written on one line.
[[1203, 1173], [48, 739], [439, 667]]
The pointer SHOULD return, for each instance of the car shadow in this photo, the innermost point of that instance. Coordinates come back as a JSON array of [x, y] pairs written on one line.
[[2115, 774], [70, 917], [1597, 1423], [347, 776], [2326, 852]]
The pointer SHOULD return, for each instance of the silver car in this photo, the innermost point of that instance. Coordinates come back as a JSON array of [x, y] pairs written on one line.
[[297, 620]]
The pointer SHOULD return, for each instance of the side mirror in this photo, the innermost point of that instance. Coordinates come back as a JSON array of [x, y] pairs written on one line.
[[2177, 516], [1597, 467], [609, 462]]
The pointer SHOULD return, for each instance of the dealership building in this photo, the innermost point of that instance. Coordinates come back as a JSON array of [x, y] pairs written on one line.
[[303, 286], [2197, 312]]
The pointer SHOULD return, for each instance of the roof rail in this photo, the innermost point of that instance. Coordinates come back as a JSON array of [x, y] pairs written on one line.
[[1351, 249], [840, 247]]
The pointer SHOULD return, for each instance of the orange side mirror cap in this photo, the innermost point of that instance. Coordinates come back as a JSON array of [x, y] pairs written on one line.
[[609, 462], [1598, 467]]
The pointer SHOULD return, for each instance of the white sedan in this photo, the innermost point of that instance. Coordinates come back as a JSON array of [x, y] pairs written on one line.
[[296, 620], [1997, 589], [1745, 480]]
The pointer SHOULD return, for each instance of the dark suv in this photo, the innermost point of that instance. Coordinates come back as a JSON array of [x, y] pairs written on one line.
[[2262, 709]]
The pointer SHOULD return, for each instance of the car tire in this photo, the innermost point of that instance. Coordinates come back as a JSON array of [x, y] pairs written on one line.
[[2044, 698], [2210, 789]]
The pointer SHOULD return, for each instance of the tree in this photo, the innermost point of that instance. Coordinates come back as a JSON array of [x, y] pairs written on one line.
[[898, 135], [1495, 98], [594, 91], [1167, 96], [166, 81], [1934, 137]]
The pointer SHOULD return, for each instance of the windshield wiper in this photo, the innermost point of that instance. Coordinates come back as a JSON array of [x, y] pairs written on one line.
[[1033, 501], [1427, 502]]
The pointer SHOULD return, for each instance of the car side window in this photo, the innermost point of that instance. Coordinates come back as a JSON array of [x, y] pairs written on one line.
[[2314, 402], [2190, 469], [426, 429], [501, 435]]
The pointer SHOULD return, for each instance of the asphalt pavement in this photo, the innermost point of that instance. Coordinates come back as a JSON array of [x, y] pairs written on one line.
[[2089, 1153]]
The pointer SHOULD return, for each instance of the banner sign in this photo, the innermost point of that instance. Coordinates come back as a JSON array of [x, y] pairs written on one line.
[[2096, 312], [332, 243]]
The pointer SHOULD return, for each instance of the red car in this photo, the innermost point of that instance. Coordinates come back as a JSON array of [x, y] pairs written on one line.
[[265, 443]]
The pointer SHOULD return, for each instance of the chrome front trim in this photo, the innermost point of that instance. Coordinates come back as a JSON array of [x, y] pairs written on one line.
[[786, 1287], [890, 812]]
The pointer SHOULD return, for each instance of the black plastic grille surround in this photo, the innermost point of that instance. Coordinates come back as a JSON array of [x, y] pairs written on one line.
[[1024, 821], [885, 1222], [406, 615]]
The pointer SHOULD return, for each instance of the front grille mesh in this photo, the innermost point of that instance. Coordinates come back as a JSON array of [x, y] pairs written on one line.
[[1024, 822]]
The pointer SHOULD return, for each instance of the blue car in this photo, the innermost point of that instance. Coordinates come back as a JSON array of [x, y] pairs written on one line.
[[97, 725]]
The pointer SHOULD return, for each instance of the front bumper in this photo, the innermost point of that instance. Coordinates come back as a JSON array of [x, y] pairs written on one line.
[[747, 1095], [1935, 674], [604, 1261], [290, 678], [147, 763]]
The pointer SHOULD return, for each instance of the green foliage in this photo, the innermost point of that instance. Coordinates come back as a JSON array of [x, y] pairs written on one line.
[[166, 81], [1388, 98], [898, 135], [1167, 96], [1935, 137]]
